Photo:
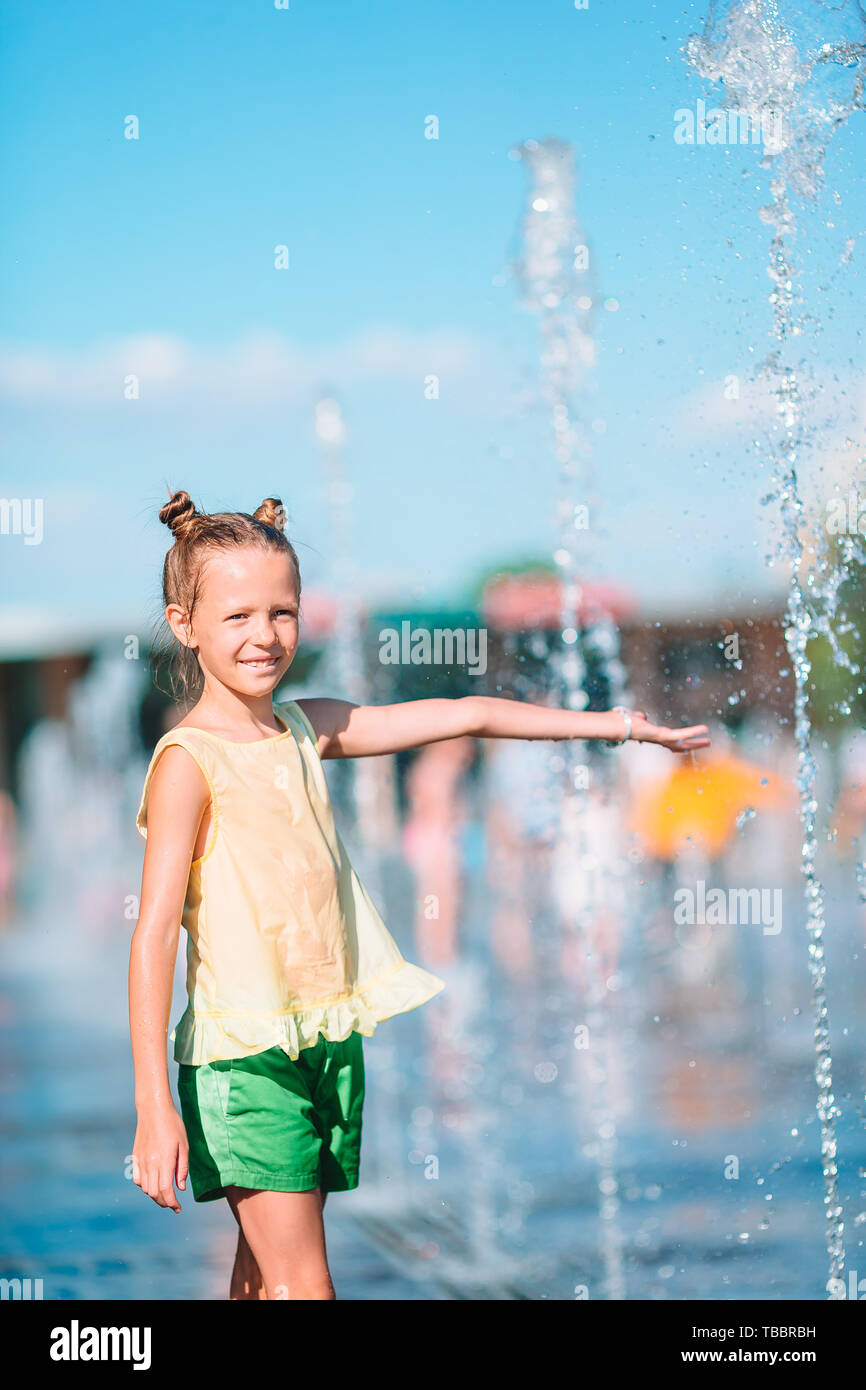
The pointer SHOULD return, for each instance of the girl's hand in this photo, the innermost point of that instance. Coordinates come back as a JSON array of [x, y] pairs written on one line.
[[677, 740], [160, 1155]]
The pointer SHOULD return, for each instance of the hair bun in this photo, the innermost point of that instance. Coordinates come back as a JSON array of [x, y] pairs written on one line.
[[272, 513], [178, 513]]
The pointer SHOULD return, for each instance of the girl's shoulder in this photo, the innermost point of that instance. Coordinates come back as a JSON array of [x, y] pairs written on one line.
[[199, 750], [184, 734]]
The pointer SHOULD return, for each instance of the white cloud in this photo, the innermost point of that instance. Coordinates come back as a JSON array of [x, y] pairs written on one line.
[[833, 423], [708, 414], [257, 367]]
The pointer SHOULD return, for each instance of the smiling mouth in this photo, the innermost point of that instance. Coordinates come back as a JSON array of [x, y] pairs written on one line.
[[266, 664]]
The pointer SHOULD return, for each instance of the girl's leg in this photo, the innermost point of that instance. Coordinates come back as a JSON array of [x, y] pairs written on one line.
[[247, 1282], [285, 1236]]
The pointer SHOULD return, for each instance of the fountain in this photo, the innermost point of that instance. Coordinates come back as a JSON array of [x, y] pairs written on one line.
[[557, 285], [804, 68]]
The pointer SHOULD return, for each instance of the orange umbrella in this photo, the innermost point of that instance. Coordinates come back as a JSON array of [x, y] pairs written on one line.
[[700, 803]]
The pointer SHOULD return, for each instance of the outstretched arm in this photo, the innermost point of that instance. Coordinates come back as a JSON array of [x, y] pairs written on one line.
[[345, 730]]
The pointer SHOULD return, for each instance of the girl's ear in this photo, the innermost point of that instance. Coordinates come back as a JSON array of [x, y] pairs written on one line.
[[179, 623]]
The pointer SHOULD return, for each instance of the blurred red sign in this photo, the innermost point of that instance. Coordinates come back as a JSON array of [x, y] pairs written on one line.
[[515, 602]]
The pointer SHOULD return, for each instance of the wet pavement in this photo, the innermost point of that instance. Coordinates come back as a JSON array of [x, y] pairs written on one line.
[[485, 1172]]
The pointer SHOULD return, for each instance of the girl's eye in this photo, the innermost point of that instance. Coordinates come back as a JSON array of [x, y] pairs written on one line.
[[288, 611]]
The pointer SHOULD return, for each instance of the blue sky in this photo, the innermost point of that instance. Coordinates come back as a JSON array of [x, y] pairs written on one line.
[[305, 127]]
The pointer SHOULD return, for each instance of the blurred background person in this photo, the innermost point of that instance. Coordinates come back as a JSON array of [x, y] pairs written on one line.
[[520, 820], [437, 811]]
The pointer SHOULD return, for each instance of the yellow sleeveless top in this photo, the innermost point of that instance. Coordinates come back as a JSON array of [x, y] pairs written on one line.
[[283, 940]]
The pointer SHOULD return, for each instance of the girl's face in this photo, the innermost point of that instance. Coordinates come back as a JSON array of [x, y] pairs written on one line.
[[246, 621]]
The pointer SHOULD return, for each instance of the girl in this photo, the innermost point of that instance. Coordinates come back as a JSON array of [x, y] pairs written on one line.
[[289, 965]]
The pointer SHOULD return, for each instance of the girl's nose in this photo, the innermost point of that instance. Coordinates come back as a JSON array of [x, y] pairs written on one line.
[[265, 635]]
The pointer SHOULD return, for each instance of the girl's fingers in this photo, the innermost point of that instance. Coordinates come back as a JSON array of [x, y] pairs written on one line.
[[157, 1185], [182, 1167], [677, 740], [167, 1196]]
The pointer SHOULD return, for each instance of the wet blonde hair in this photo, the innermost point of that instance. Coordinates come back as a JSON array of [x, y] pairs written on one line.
[[198, 535]]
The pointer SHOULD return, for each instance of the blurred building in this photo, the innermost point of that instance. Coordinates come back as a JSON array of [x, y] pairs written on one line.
[[726, 663]]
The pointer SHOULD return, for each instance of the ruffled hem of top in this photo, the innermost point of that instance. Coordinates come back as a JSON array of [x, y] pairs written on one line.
[[200, 1038]]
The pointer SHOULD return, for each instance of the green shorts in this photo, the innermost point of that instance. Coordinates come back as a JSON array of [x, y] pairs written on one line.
[[268, 1122]]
